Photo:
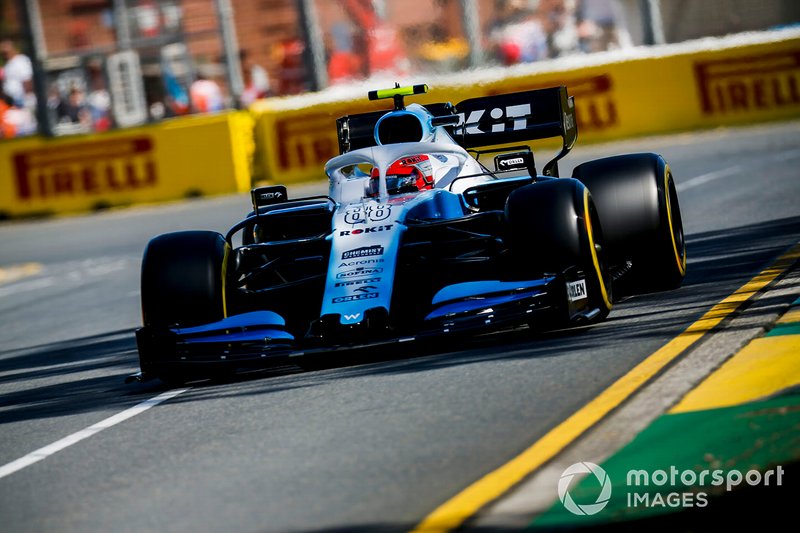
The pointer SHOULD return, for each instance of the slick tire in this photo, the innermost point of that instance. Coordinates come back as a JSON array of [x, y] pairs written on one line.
[[183, 285], [553, 227], [639, 210]]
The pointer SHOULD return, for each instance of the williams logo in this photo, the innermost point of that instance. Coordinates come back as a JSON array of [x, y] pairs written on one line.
[[343, 299], [366, 288], [364, 251]]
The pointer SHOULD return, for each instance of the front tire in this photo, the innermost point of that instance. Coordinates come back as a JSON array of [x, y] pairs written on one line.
[[640, 213], [183, 285], [554, 228]]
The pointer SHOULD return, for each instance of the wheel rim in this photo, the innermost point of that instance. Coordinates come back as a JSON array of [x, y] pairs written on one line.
[[596, 249], [674, 221]]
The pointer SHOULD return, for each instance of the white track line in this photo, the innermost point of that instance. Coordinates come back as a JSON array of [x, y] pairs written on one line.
[[702, 179], [710, 176], [66, 442]]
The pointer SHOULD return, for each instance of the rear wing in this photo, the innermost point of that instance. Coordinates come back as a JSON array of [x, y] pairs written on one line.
[[358, 131], [519, 117], [486, 121]]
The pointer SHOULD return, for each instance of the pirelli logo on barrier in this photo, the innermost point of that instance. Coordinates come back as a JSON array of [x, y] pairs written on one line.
[[751, 83], [595, 105], [90, 169], [306, 141]]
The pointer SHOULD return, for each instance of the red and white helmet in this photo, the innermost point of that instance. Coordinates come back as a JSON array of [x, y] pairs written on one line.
[[408, 174]]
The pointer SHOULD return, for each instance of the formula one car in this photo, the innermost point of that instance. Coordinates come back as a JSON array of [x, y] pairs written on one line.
[[417, 238]]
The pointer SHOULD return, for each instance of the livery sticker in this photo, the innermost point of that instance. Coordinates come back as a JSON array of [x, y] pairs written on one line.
[[379, 212], [369, 213], [361, 231], [354, 216], [343, 299], [361, 262], [366, 288], [358, 272], [356, 281], [576, 290], [364, 251]]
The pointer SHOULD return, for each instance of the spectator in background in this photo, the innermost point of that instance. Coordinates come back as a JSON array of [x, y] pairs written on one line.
[[14, 121], [559, 21], [7, 129], [17, 70], [53, 103], [256, 80], [601, 25], [98, 101], [206, 95], [289, 55], [518, 35], [344, 65], [74, 109]]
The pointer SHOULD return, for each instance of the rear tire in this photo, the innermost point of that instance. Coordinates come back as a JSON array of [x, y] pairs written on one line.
[[554, 228], [183, 285], [641, 217]]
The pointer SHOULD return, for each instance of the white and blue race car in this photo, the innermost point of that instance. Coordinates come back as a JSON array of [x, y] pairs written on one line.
[[417, 238]]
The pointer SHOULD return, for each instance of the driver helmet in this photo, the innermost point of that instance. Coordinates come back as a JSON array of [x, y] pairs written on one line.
[[407, 174]]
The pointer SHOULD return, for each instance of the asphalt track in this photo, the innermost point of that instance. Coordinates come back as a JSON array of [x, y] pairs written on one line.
[[368, 446]]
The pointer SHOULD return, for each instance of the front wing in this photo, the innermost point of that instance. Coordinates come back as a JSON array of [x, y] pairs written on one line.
[[261, 338]]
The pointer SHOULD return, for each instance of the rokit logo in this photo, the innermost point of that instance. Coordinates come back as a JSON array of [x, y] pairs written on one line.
[[364, 251], [471, 125], [361, 231], [595, 103], [358, 272]]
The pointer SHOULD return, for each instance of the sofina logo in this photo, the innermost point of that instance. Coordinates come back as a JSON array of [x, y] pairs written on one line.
[[601, 477]]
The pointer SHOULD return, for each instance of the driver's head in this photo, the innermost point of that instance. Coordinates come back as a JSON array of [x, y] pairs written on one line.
[[406, 175]]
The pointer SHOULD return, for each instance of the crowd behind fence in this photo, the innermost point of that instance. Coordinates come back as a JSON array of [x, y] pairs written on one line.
[[117, 63]]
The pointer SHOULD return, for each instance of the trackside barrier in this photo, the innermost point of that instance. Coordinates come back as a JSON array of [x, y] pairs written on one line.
[[197, 155], [707, 83]]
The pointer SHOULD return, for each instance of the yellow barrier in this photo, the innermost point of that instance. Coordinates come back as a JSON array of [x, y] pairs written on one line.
[[709, 83], [186, 156]]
